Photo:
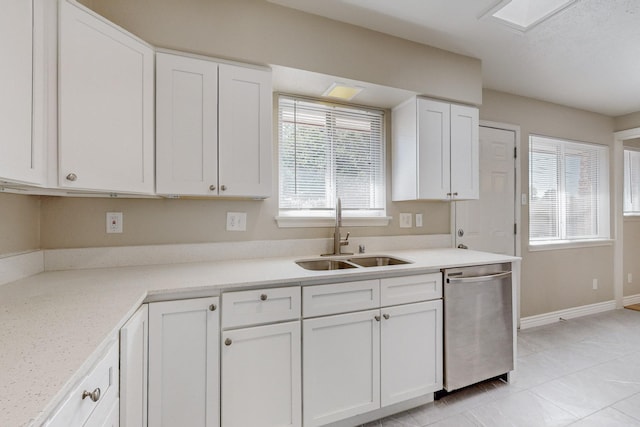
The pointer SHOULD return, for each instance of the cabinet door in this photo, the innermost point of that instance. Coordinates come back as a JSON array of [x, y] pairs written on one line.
[[341, 363], [261, 382], [186, 125], [183, 363], [19, 159], [465, 160], [411, 351], [106, 90], [244, 131], [134, 354], [434, 179]]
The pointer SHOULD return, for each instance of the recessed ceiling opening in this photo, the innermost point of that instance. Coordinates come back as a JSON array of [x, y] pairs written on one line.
[[526, 14]]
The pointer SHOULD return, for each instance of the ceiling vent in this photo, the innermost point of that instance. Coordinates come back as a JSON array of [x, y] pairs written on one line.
[[523, 15]]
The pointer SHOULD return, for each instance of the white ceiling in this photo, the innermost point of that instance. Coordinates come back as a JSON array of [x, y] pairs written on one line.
[[587, 56]]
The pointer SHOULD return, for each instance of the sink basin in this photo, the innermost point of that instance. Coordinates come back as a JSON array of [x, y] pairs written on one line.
[[324, 264], [377, 261]]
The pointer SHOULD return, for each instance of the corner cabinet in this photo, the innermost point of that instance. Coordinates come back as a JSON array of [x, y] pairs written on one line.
[[134, 353], [213, 128], [105, 101], [184, 363], [22, 145], [435, 151]]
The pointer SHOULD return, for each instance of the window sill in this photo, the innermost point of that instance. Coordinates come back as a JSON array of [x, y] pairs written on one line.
[[305, 221], [566, 244]]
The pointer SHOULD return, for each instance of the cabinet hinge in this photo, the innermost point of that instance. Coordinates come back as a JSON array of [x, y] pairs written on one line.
[[515, 228]]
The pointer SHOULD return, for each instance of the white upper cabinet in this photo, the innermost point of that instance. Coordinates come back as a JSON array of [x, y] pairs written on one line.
[[21, 152], [435, 151], [106, 82], [213, 128]]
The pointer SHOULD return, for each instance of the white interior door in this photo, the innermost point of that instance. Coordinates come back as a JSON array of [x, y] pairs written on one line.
[[488, 224]]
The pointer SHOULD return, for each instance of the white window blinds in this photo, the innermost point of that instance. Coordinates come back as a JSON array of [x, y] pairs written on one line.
[[329, 151], [568, 190], [631, 182]]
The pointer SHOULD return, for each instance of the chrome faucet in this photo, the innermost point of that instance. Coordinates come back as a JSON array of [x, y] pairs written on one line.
[[338, 242]]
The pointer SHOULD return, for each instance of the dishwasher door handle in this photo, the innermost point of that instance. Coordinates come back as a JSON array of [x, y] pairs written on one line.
[[476, 279]]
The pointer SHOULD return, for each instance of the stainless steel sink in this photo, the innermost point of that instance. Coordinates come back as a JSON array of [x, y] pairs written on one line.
[[377, 261], [324, 264]]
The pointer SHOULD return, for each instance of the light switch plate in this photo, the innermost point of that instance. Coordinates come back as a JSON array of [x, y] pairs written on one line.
[[236, 221], [418, 220]]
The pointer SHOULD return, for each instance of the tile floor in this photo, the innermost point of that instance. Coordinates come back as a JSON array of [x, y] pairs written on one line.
[[580, 372]]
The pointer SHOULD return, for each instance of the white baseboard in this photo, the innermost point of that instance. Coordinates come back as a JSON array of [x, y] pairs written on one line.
[[569, 313], [631, 299], [19, 266]]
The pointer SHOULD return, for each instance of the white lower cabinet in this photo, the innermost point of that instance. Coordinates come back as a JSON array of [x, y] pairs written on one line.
[[134, 338], [341, 366], [184, 363], [411, 351], [261, 382]]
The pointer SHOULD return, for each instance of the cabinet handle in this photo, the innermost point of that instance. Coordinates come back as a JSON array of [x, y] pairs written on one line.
[[212, 187], [377, 318], [227, 342], [223, 187], [455, 194], [263, 297], [386, 316], [93, 395], [448, 194], [212, 307], [72, 177]]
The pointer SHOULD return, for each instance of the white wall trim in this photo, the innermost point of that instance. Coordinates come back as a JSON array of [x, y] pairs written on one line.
[[18, 266], [631, 299], [569, 313], [122, 256]]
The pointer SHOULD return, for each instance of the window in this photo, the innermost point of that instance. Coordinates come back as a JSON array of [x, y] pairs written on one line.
[[329, 151], [631, 182], [568, 191]]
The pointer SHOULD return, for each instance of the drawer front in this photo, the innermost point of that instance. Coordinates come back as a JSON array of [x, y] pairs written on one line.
[[340, 298], [75, 411], [260, 306], [408, 289]]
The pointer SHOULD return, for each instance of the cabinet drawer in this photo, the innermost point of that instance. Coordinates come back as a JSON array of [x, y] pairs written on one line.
[[340, 297], [408, 289], [75, 410], [260, 306]]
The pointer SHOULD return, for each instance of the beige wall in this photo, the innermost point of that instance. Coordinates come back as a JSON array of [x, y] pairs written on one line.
[[628, 121], [20, 225], [261, 32], [558, 279]]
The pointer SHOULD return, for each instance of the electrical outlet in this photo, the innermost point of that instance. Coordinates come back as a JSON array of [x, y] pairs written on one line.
[[418, 220], [405, 220], [629, 278], [236, 221], [595, 284], [114, 222]]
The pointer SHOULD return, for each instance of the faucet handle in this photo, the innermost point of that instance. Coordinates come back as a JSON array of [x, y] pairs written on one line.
[[345, 242]]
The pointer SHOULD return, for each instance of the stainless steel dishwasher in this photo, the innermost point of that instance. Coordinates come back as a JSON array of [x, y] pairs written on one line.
[[478, 324]]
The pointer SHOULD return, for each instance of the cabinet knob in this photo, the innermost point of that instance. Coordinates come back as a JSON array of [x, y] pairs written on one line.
[[455, 194], [227, 342], [263, 297], [212, 307], [93, 395], [377, 318], [212, 188], [223, 187], [386, 316], [72, 177]]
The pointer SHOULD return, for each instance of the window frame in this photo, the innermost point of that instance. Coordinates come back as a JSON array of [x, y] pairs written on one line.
[[603, 236], [325, 217], [625, 190]]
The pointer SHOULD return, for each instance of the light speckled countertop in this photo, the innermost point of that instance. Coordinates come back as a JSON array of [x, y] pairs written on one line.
[[55, 325]]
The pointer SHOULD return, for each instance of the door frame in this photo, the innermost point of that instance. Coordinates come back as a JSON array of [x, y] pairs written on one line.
[[618, 211]]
